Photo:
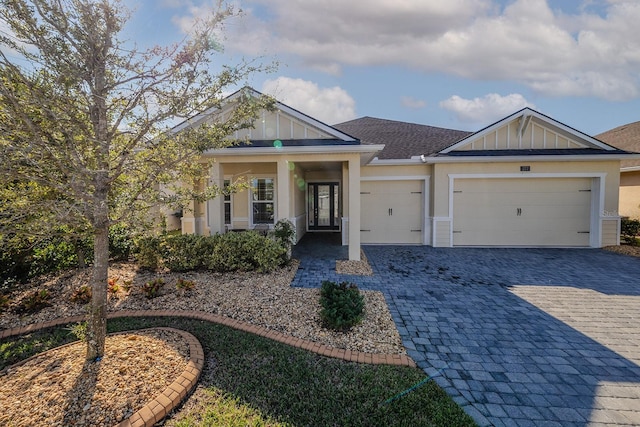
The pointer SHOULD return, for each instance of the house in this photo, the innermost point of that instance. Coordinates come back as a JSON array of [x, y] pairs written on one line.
[[627, 137], [524, 181]]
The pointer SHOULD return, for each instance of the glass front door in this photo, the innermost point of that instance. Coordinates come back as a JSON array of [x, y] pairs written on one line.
[[324, 206]]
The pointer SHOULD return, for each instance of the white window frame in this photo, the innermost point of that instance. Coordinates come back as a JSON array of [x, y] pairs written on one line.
[[274, 201], [225, 202]]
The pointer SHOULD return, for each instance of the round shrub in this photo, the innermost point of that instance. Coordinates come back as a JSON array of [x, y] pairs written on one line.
[[342, 305]]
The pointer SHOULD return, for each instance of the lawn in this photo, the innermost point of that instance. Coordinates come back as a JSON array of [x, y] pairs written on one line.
[[253, 381]]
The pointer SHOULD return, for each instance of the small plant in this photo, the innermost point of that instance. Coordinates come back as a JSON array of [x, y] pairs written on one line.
[[342, 305], [126, 285], [185, 285], [79, 330], [34, 301], [4, 302], [152, 288], [82, 295], [112, 286]]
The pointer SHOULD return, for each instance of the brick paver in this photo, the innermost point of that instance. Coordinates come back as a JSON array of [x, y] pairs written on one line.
[[516, 336]]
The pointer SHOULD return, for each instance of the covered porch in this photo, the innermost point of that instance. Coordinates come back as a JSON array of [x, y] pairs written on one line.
[[317, 192]]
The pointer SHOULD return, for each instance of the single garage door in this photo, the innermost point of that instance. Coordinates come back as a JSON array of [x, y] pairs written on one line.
[[522, 212], [391, 212]]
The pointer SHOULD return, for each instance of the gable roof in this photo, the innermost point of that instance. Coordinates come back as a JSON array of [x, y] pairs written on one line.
[[520, 121], [401, 140], [625, 137], [331, 132]]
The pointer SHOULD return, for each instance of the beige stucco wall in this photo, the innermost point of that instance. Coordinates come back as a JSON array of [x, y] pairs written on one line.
[[630, 194]]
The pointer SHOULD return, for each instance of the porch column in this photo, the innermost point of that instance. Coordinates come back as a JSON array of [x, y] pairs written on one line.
[[283, 187], [354, 208], [215, 207]]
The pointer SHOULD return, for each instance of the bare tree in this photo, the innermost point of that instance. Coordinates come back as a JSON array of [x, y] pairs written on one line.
[[86, 115]]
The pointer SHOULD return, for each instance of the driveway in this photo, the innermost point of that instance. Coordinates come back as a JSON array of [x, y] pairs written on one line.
[[516, 336]]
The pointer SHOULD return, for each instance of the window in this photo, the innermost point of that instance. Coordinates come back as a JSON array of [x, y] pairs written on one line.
[[227, 203], [262, 199]]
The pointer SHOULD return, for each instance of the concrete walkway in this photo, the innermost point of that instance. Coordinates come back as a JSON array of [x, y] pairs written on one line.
[[516, 336]]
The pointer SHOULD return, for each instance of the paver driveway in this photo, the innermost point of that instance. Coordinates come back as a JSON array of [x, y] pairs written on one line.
[[516, 336]]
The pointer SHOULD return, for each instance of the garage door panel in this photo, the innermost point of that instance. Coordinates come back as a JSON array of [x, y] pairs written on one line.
[[391, 212], [521, 212]]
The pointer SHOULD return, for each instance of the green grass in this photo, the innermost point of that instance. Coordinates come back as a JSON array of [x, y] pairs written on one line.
[[253, 381]]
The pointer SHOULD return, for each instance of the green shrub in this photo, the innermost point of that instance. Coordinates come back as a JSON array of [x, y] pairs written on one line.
[[148, 252], [630, 231], [342, 305], [245, 251], [187, 252], [52, 255], [121, 242], [284, 233]]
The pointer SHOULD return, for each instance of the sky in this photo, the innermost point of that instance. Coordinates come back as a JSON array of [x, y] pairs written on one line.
[[458, 64]]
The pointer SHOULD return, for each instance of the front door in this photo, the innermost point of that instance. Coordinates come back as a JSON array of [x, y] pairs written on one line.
[[324, 206]]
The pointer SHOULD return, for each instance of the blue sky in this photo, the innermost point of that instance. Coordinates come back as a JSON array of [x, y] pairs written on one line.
[[460, 64]]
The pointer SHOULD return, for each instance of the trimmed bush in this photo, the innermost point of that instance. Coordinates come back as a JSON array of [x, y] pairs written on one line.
[[630, 231], [342, 305], [245, 251], [147, 252]]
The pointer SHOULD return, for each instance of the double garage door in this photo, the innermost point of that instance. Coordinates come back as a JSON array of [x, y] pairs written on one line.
[[391, 212], [522, 212]]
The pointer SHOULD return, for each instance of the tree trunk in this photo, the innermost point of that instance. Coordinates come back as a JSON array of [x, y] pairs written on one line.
[[97, 324]]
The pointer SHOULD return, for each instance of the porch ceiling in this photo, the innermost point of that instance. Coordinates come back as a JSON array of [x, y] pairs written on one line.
[[319, 166]]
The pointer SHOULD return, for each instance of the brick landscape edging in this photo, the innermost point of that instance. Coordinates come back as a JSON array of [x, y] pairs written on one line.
[[322, 349], [170, 398]]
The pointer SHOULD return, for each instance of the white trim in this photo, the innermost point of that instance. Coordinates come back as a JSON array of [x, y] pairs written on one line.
[[307, 149], [597, 200], [530, 175], [630, 169], [531, 158], [414, 160], [395, 178]]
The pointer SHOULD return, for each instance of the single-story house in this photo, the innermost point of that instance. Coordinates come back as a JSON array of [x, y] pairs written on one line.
[[627, 137], [525, 181]]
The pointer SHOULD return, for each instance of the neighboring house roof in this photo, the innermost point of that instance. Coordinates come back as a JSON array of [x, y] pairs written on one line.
[[401, 140], [625, 137]]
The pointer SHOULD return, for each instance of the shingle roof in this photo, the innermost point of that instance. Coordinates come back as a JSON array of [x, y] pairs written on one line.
[[402, 140], [625, 137]]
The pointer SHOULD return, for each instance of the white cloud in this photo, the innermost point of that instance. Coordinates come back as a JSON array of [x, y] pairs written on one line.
[[329, 105], [557, 54], [487, 109], [412, 103]]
